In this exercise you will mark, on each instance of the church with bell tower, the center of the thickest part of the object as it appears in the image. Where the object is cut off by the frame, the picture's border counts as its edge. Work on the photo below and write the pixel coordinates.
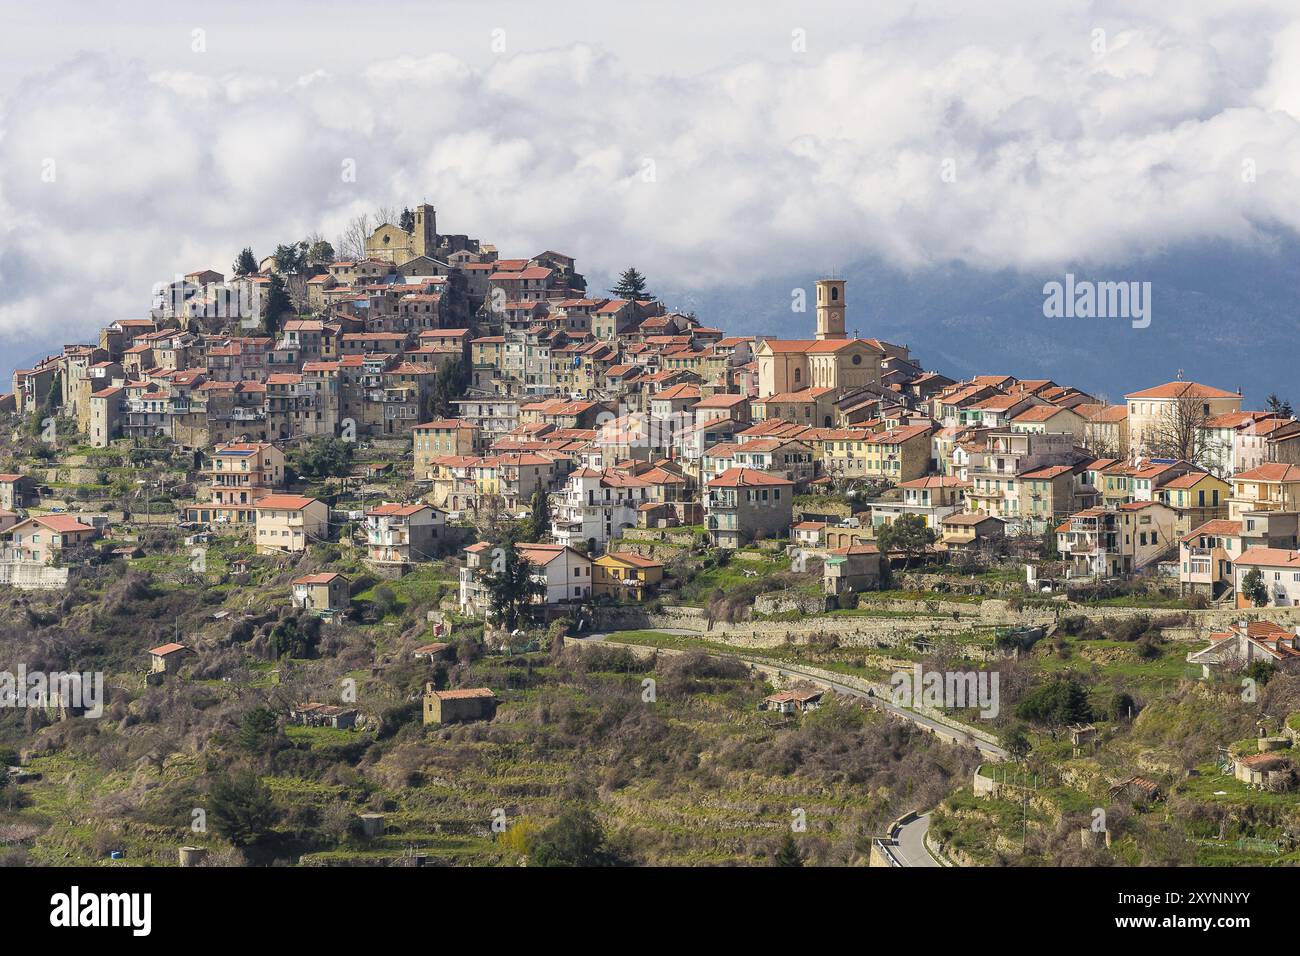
(830, 310)
(831, 363)
(392, 243)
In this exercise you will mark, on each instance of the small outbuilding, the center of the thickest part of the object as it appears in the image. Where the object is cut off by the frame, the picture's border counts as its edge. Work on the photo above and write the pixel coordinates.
(167, 658)
(462, 704)
(1266, 771)
(313, 714)
(798, 700)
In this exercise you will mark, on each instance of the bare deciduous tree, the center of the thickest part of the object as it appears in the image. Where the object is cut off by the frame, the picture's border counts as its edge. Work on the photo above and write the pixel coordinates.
(1102, 438)
(352, 243)
(1180, 431)
(491, 518)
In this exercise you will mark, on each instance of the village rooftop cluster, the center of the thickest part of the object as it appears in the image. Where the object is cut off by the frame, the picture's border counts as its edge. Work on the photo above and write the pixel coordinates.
(503, 385)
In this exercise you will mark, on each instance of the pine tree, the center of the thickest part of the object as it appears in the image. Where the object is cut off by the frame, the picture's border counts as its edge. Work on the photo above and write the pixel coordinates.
(257, 729)
(631, 285)
(320, 253)
(276, 304)
(512, 590)
(1278, 405)
(407, 222)
(243, 808)
(54, 397)
(539, 522)
(245, 263)
(908, 534)
(788, 854)
(1254, 589)
(448, 385)
(291, 259)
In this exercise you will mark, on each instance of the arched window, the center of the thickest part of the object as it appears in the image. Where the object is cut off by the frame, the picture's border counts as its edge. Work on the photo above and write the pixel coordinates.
(798, 375)
(835, 294)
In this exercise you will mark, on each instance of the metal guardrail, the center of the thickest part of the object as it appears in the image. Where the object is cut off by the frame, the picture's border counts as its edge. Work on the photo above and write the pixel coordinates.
(886, 849)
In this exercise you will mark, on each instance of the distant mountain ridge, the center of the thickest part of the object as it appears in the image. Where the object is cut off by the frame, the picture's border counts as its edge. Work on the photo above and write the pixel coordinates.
(1222, 314)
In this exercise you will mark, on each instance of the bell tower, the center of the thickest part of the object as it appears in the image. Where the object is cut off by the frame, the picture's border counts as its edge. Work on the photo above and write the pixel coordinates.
(830, 309)
(425, 234)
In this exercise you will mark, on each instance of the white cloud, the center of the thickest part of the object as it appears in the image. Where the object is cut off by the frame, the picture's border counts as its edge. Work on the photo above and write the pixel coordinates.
(773, 160)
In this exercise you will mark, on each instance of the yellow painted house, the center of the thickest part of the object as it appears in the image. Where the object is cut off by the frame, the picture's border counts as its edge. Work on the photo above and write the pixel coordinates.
(1196, 497)
(488, 351)
(899, 454)
(837, 448)
(625, 576)
(1273, 486)
(683, 359)
(290, 523)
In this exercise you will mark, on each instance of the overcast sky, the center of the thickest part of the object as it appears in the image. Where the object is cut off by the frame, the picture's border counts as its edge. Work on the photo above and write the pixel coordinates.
(704, 144)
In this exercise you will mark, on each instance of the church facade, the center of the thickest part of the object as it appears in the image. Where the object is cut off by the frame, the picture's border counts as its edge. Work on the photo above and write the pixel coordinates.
(831, 360)
(390, 243)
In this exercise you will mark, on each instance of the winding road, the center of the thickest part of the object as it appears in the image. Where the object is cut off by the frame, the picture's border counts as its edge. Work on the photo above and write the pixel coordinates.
(877, 695)
(908, 845)
(910, 849)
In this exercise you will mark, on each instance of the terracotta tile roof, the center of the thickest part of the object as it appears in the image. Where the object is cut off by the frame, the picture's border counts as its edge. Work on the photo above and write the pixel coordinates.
(1189, 480)
(628, 557)
(747, 478)
(323, 578)
(685, 390)
(464, 693)
(1270, 558)
(815, 346)
(896, 436)
(283, 502)
(62, 524)
(396, 510)
(1040, 413)
(1219, 527)
(969, 517)
(936, 481)
(1183, 390)
(1273, 471)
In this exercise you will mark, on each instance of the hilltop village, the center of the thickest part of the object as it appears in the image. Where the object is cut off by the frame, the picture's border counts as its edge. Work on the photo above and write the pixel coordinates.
(378, 533)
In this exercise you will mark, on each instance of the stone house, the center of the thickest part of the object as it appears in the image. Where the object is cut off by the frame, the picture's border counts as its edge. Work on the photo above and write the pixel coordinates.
(454, 706)
(742, 505)
(852, 569)
(167, 658)
(327, 591)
